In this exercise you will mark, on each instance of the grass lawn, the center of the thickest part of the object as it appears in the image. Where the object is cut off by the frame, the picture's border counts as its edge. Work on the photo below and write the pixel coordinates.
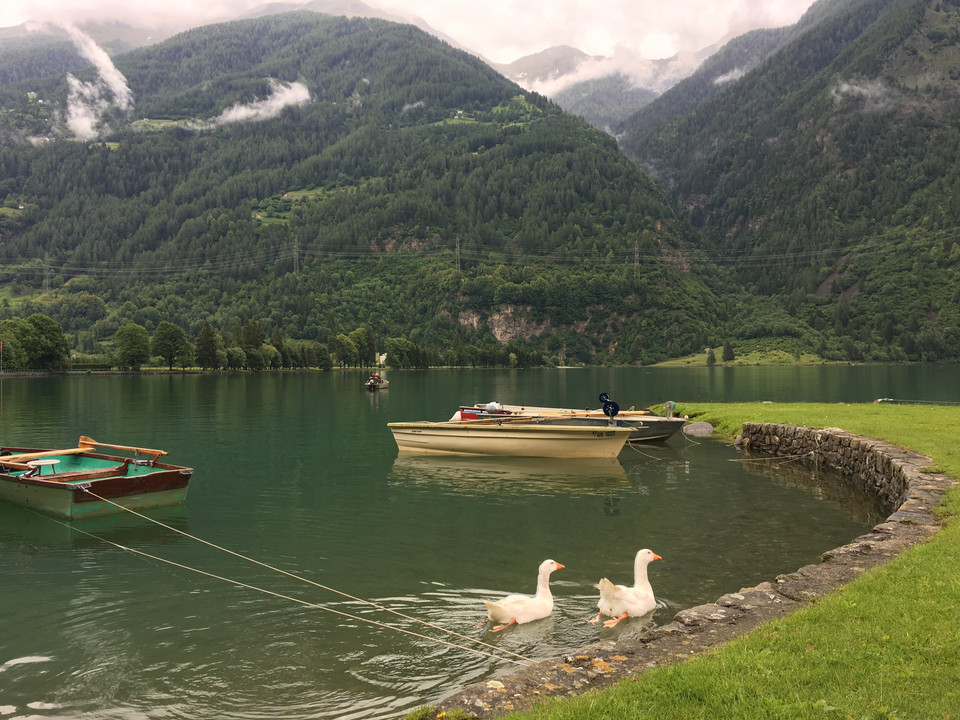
(753, 357)
(885, 646)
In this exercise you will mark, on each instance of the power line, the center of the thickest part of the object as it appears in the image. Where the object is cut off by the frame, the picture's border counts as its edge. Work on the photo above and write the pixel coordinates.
(243, 259)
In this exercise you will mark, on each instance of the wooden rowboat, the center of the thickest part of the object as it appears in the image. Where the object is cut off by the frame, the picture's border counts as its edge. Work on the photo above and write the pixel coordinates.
(83, 482)
(646, 426)
(516, 437)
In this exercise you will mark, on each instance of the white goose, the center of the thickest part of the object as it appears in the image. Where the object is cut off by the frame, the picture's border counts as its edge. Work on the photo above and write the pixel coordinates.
(519, 609)
(619, 601)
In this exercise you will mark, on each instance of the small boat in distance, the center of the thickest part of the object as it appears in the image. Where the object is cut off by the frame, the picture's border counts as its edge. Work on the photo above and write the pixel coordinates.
(511, 437)
(83, 482)
(646, 426)
(375, 382)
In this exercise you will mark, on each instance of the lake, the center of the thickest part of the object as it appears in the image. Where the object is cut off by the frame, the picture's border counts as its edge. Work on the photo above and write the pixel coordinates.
(300, 472)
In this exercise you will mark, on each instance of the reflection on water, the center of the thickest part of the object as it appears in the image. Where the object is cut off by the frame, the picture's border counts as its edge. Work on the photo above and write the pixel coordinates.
(31, 528)
(300, 471)
(864, 507)
(509, 476)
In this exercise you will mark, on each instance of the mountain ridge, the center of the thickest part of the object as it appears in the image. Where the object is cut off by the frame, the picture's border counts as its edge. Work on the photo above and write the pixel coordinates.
(439, 188)
(415, 191)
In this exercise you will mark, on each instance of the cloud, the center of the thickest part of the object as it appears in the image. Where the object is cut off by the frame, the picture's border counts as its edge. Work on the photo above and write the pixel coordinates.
(281, 95)
(108, 74)
(734, 74)
(84, 108)
(88, 101)
(876, 96)
(501, 30)
(656, 75)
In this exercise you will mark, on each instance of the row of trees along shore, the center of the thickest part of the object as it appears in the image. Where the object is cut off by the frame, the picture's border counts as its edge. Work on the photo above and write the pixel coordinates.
(38, 343)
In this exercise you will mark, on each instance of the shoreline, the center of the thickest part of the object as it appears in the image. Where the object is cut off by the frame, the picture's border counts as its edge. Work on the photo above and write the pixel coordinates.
(704, 627)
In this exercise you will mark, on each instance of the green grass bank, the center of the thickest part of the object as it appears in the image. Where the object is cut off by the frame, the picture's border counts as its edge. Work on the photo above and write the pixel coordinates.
(884, 646)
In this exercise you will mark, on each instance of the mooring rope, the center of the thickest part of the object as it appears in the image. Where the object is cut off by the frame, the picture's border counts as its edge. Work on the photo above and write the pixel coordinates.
(526, 660)
(640, 452)
(772, 458)
(298, 600)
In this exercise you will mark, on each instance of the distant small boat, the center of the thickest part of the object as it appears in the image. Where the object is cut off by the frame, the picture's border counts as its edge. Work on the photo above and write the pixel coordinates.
(375, 382)
(513, 437)
(646, 426)
(82, 482)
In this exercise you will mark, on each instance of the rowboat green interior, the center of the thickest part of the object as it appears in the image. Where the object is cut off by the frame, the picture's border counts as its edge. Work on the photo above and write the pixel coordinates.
(81, 463)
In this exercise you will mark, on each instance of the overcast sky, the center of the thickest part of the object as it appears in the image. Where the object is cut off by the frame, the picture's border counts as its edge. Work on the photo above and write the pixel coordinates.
(501, 30)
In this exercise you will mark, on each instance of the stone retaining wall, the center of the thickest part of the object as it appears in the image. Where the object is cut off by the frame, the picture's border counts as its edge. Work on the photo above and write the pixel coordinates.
(896, 475)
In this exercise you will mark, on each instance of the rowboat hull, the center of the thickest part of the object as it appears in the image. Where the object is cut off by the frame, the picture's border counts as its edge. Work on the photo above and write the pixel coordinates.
(649, 429)
(646, 427)
(92, 484)
(509, 439)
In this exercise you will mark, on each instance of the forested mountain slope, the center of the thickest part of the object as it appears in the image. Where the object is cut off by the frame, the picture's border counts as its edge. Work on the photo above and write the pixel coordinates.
(319, 174)
(828, 177)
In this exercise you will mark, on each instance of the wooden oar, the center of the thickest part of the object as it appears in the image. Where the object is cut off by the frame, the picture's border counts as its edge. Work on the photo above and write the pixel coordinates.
(84, 440)
(518, 419)
(24, 457)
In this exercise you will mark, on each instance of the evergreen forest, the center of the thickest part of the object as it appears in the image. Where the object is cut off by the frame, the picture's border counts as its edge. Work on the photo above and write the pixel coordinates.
(302, 190)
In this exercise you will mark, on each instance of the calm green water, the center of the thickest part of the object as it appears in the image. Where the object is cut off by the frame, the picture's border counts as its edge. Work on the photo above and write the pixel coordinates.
(300, 471)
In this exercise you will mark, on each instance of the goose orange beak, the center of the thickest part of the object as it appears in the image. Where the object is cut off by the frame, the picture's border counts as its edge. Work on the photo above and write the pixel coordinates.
(657, 557)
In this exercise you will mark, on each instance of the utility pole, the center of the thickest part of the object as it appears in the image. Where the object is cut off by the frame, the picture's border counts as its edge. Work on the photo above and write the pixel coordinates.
(458, 253)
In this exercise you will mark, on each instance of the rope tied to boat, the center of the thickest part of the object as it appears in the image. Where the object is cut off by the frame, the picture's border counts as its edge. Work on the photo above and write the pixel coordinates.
(520, 659)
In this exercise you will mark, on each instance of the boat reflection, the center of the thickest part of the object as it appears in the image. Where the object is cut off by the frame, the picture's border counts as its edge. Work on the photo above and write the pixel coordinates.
(511, 475)
(21, 526)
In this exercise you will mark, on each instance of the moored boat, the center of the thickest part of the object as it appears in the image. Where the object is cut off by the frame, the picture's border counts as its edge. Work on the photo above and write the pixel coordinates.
(84, 482)
(646, 426)
(375, 382)
(517, 437)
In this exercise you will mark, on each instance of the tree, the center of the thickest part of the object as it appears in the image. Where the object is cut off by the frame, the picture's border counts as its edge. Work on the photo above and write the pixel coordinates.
(186, 356)
(132, 346)
(254, 360)
(276, 339)
(400, 352)
(14, 334)
(50, 351)
(362, 337)
(235, 357)
(169, 342)
(711, 358)
(252, 335)
(347, 353)
(728, 355)
(206, 347)
(324, 361)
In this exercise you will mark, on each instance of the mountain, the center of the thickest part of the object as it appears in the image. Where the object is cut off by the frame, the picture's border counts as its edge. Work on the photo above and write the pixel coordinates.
(317, 175)
(605, 91)
(35, 50)
(604, 102)
(351, 9)
(38, 50)
(544, 67)
(735, 59)
(828, 176)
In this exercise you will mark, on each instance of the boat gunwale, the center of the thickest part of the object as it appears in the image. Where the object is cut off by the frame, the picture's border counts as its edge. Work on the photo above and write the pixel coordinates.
(72, 480)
